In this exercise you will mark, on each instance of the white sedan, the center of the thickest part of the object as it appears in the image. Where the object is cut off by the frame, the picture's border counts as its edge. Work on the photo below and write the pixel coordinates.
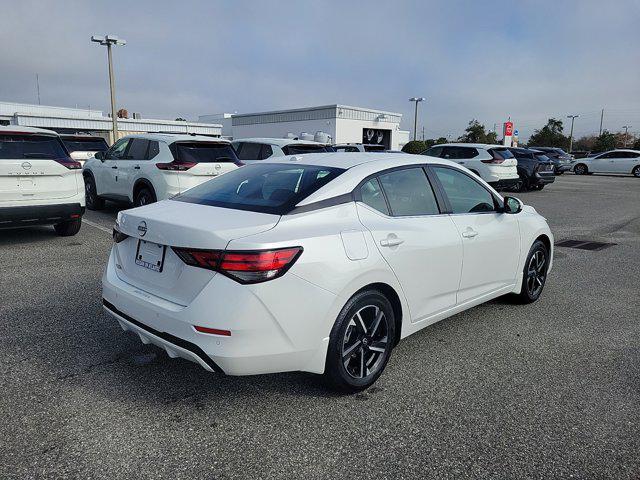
(319, 263)
(615, 161)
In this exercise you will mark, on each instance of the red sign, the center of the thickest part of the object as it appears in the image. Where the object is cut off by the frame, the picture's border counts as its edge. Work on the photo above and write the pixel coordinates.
(508, 129)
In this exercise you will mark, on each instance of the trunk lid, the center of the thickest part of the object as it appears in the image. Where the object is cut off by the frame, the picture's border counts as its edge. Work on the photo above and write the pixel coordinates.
(174, 223)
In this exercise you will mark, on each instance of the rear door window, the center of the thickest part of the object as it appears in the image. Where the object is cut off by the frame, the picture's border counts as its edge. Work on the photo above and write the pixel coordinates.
(17, 146)
(434, 152)
(299, 149)
(249, 150)
(262, 187)
(372, 195)
(409, 192)
(203, 152)
(266, 151)
(137, 149)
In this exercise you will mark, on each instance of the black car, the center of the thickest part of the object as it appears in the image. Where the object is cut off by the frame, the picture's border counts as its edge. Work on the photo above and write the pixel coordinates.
(535, 169)
(562, 161)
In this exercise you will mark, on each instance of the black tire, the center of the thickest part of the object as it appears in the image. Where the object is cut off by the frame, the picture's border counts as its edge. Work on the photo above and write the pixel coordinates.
(93, 201)
(534, 275)
(522, 185)
(580, 169)
(636, 171)
(366, 345)
(144, 196)
(69, 228)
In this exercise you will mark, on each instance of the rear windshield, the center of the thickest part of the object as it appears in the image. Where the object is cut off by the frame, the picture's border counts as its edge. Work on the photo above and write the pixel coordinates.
(262, 187)
(301, 148)
(203, 152)
(501, 153)
(374, 148)
(17, 146)
(86, 145)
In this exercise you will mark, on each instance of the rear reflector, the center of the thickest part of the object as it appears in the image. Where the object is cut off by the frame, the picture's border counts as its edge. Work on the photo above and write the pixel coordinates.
(212, 331)
(242, 266)
(177, 166)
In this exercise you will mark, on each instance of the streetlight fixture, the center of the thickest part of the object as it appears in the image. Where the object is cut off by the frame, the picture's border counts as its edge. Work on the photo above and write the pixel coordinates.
(572, 117)
(415, 118)
(626, 132)
(109, 41)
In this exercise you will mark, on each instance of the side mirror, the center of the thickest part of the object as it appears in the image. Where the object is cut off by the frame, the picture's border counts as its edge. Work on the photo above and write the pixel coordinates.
(99, 156)
(512, 205)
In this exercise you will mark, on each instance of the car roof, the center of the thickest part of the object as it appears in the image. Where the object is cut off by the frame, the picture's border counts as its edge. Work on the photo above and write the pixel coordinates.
(358, 165)
(177, 137)
(21, 129)
(280, 142)
(620, 150)
(474, 145)
(80, 136)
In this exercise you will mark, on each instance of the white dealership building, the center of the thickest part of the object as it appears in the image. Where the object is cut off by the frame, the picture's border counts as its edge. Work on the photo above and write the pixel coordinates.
(95, 122)
(332, 123)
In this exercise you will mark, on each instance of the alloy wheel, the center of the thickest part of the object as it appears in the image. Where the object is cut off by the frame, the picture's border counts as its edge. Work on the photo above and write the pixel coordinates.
(536, 273)
(366, 342)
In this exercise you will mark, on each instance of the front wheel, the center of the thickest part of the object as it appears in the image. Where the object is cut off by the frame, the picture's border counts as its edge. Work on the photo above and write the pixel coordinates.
(69, 228)
(360, 343)
(534, 273)
(94, 202)
(580, 169)
(636, 172)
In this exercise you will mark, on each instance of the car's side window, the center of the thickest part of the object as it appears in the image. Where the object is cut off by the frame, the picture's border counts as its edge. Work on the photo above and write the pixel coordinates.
(249, 151)
(266, 152)
(117, 149)
(434, 152)
(409, 192)
(464, 193)
(372, 195)
(154, 149)
(137, 149)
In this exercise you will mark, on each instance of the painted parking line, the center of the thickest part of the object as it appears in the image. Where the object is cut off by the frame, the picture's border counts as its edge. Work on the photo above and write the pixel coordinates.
(99, 227)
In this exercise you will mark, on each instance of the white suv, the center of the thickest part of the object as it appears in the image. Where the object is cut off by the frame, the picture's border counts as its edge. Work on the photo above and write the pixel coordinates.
(359, 147)
(250, 150)
(39, 183)
(142, 169)
(495, 164)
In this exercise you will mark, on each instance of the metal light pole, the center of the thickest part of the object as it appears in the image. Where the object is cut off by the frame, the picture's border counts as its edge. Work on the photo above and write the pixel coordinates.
(415, 118)
(109, 41)
(572, 117)
(626, 133)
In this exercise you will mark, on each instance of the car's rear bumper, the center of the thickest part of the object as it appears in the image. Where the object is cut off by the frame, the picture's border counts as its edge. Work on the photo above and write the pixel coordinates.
(23, 216)
(505, 183)
(265, 334)
(544, 178)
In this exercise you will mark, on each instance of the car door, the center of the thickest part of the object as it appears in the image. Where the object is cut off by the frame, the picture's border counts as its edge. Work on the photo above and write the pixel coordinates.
(624, 162)
(107, 175)
(600, 164)
(421, 245)
(490, 239)
(130, 166)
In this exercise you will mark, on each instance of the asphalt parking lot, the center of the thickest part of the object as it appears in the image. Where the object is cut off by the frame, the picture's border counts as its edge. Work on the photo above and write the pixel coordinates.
(548, 390)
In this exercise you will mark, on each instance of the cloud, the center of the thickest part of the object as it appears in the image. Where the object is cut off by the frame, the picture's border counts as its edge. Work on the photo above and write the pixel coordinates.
(484, 60)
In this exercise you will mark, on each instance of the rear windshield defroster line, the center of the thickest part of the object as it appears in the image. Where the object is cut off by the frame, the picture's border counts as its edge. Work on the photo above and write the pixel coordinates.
(274, 188)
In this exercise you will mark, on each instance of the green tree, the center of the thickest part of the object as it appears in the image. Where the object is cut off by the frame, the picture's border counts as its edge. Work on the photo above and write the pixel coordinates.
(636, 144)
(491, 138)
(415, 146)
(606, 141)
(551, 135)
(440, 141)
(585, 143)
(476, 133)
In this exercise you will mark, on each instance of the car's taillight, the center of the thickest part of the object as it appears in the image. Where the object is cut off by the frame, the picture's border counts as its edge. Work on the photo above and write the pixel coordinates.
(179, 166)
(69, 163)
(243, 266)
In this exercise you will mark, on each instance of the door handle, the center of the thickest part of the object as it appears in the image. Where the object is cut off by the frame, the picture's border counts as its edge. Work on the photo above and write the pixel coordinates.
(137, 167)
(469, 233)
(114, 167)
(392, 240)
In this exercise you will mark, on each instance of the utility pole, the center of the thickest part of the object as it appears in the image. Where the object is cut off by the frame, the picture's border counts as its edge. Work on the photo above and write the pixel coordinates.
(423, 133)
(626, 133)
(38, 87)
(601, 118)
(415, 118)
(109, 41)
(572, 117)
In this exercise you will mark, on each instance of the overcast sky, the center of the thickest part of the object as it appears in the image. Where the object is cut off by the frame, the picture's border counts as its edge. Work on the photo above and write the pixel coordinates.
(474, 59)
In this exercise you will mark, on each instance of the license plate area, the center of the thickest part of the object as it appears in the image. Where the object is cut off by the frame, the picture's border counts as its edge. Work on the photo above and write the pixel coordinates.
(150, 255)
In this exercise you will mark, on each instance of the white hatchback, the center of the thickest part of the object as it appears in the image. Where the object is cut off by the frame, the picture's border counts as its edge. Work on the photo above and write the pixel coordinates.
(39, 183)
(319, 263)
(142, 169)
(495, 164)
(615, 161)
